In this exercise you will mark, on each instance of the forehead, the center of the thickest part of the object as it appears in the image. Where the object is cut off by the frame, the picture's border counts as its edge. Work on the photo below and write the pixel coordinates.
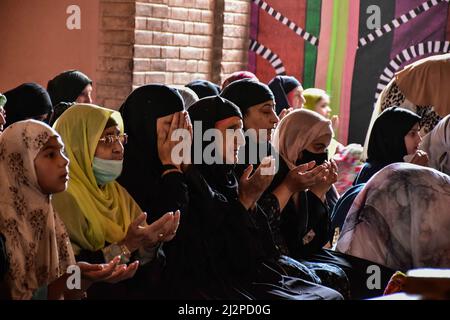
(54, 142)
(229, 122)
(268, 103)
(111, 130)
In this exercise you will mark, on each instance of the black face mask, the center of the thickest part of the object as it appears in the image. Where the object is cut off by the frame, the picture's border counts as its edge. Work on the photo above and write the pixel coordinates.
(307, 156)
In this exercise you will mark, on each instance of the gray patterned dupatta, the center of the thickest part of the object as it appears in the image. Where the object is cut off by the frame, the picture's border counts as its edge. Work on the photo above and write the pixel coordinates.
(38, 246)
(401, 219)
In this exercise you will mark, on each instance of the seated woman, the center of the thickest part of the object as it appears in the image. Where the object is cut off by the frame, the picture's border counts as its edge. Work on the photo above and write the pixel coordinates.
(421, 87)
(348, 158)
(256, 102)
(27, 101)
(401, 219)
(227, 251)
(437, 145)
(103, 220)
(301, 137)
(288, 93)
(394, 138)
(35, 250)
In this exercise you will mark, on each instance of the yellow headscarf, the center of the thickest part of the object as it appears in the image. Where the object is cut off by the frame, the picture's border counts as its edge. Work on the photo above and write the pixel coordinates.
(92, 215)
(312, 97)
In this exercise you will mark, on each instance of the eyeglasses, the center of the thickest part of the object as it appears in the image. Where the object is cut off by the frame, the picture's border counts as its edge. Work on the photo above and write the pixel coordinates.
(112, 138)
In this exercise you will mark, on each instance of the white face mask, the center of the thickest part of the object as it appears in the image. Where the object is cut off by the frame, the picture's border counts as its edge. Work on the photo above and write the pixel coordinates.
(106, 170)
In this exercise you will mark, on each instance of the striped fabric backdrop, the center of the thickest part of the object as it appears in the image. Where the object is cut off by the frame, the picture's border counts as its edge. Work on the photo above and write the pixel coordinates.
(328, 44)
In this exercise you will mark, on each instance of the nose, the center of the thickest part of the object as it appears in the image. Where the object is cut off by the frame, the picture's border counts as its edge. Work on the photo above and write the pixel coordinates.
(118, 149)
(274, 119)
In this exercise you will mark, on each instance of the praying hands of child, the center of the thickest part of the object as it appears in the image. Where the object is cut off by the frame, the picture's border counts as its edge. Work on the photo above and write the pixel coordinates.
(252, 186)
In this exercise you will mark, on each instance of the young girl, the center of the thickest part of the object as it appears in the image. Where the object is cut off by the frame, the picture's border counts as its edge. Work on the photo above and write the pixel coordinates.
(394, 138)
(37, 247)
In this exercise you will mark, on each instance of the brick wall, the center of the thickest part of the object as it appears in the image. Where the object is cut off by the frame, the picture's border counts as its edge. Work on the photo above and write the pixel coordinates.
(115, 60)
(168, 41)
(235, 36)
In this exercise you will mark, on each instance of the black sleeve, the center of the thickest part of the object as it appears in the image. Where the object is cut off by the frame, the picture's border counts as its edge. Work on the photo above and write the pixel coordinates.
(318, 221)
(94, 257)
(4, 263)
(229, 235)
(171, 195)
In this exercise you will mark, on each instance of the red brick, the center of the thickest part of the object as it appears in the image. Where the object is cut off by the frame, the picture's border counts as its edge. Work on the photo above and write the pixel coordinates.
(154, 24)
(234, 31)
(207, 16)
(241, 19)
(230, 67)
(141, 64)
(174, 26)
(237, 6)
(113, 104)
(107, 90)
(169, 78)
(170, 52)
(202, 28)
(195, 15)
(175, 65)
(179, 13)
(117, 23)
(115, 9)
(234, 43)
(190, 53)
(160, 38)
(143, 37)
(141, 51)
(114, 77)
(228, 18)
(138, 78)
(188, 27)
(200, 41)
(204, 66)
(180, 39)
(114, 64)
(112, 50)
(155, 78)
(144, 10)
(116, 37)
(160, 11)
(182, 78)
(141, 23)
(232, 55)
(191, 66)
(177, 3)
(207, 54)
(158, 65)
(203, 4)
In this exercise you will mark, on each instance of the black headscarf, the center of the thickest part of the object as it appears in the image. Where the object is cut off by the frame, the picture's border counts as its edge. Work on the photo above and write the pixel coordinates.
(209, 111)
(141, 165)
(67, 86)
(281, 86)
(26, 101)
(247, 93)
(204, 88)
(387, 138)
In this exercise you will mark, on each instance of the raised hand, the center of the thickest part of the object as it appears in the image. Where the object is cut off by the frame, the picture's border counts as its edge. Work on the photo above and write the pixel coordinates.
(252, 187)
(420, 158)
(305, 176)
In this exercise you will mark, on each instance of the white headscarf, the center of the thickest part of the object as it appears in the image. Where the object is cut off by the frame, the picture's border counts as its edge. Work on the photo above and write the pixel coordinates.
(400, 219)
(437, 145)
(297, 131)
(37, 245)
